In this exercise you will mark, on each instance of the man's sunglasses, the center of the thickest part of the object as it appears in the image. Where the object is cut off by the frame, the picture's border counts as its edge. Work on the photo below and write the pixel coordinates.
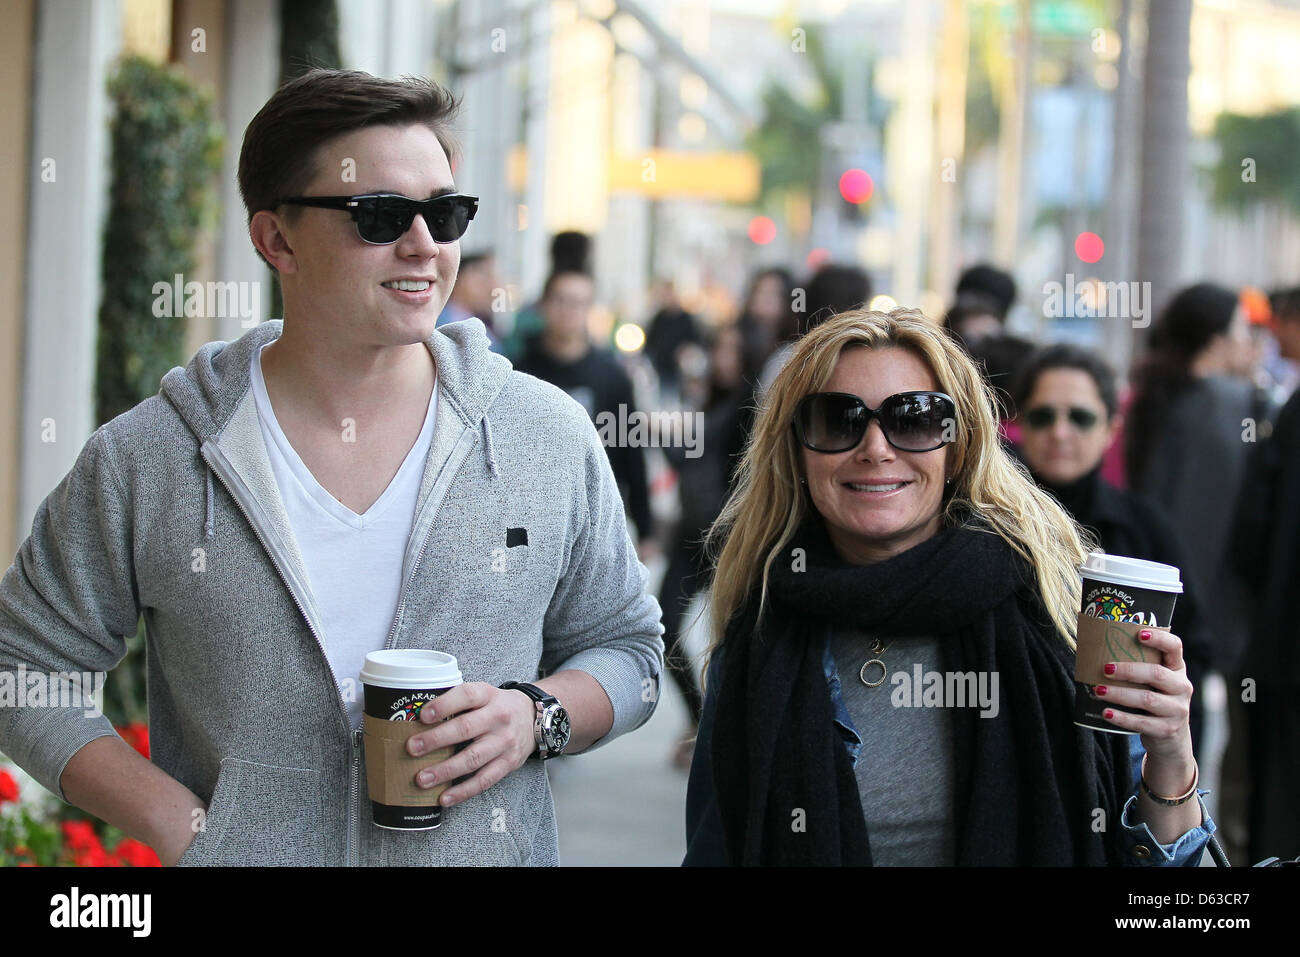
(911, 421)
(1044, 417)
(383, 218)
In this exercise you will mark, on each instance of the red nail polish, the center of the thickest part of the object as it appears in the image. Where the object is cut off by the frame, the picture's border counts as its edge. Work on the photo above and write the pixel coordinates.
(1109, 668)
(1145, 635)
(1108, 714)
(1101, 689)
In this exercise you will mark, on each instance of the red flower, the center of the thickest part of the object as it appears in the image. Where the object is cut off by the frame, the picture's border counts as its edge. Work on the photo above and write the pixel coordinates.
(132, 853)
(8, 787)
(80, 836)
(94, 857)
(136, 734)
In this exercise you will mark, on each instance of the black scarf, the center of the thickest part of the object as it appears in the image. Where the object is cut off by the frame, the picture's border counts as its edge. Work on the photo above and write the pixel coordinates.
(1027, 780)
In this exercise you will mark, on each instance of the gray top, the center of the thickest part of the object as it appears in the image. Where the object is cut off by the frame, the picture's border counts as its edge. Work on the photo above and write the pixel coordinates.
(905, 770)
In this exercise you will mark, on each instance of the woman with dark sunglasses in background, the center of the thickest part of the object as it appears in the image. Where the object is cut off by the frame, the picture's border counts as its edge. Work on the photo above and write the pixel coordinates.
(879, 548)
(1069, 415)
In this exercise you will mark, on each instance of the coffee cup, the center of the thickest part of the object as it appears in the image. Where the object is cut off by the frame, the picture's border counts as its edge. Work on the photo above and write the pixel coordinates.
(397, 683)
(1121, 597)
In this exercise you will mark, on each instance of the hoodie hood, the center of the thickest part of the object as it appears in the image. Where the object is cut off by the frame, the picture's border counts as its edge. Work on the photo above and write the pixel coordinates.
(207, 392)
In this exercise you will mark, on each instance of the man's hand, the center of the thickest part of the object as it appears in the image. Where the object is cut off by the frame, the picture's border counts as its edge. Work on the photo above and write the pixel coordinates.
(109, 779)
(498, 726)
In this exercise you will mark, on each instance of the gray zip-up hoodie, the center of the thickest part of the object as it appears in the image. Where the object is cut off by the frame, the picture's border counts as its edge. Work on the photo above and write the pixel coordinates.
(172, 510)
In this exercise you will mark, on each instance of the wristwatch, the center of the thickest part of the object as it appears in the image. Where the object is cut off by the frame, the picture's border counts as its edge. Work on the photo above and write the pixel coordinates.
(551, 727)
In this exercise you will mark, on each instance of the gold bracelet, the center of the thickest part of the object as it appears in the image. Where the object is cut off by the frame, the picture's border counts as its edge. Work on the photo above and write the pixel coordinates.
(1167, 802)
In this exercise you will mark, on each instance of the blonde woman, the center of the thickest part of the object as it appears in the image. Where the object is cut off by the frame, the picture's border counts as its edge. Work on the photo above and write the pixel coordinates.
(890, 678)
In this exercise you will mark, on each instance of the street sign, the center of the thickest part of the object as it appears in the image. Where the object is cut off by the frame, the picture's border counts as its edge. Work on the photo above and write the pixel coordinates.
(662, 174)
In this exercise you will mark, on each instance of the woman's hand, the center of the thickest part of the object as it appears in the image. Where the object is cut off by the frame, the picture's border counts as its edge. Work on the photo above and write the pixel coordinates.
(1167, 701)
(498, 726)
(1170, 766)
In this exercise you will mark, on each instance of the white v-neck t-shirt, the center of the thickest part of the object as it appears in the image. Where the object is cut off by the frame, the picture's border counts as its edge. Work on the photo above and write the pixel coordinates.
(354, 562)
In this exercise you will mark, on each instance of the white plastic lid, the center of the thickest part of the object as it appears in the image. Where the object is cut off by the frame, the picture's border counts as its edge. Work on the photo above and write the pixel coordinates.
(1137, 572)
(410, 668)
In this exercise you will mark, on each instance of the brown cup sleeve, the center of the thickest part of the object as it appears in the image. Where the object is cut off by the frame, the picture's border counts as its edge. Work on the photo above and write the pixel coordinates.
(1100, 641)
(391, 771)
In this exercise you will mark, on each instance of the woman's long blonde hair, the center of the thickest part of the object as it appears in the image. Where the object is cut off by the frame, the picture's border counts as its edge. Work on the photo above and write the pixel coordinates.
(768, 505)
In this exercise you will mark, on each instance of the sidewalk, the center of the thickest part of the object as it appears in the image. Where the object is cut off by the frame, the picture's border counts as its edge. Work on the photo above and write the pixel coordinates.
(624, 804)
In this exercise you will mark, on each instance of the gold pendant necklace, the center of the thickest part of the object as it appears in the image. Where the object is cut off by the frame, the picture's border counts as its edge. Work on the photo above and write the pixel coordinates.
(877, 649)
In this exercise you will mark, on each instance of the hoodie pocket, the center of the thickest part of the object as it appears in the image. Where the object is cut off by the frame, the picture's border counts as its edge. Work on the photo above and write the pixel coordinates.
(261, 814)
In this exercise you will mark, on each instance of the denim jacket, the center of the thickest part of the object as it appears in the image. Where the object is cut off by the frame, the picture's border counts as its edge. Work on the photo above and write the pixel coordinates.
(705, 843)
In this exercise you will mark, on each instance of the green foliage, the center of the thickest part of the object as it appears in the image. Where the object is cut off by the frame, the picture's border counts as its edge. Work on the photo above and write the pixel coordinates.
(788, 143)
(1272, 141)
(25, 839)
(166, 151)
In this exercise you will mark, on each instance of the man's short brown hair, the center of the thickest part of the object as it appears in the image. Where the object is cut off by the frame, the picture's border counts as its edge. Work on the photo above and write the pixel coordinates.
(278, 158)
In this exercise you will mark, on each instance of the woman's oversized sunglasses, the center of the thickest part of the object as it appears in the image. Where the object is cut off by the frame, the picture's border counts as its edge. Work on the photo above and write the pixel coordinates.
(383, 218)
(912, 421)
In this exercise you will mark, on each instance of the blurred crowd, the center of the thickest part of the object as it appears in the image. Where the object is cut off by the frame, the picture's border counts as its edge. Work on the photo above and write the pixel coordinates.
(1191, 458)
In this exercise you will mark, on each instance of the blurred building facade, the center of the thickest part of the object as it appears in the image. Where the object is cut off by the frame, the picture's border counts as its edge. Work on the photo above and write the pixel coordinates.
(632, 121)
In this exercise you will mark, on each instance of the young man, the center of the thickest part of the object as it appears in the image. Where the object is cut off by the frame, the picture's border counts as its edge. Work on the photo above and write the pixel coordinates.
(346, 480)
(562, 354)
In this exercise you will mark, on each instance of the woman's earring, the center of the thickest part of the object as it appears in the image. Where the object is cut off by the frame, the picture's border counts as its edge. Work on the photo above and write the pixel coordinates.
(803, 481)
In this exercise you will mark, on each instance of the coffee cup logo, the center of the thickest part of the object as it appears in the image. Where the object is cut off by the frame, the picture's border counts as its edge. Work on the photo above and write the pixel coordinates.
(1114, 605)
(407, 708)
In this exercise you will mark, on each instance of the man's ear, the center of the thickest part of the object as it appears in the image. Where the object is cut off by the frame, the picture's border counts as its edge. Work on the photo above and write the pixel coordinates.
(267, 232)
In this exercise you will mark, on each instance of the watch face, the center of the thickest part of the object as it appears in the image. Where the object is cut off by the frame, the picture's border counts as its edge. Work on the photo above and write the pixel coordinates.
(555, 729)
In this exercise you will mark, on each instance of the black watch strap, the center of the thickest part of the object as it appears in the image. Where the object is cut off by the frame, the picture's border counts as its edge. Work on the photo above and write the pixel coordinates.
(534, 692)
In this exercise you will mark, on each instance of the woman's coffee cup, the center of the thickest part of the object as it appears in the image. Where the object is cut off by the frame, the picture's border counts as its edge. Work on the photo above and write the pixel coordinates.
(397, 683)
(1121, 597)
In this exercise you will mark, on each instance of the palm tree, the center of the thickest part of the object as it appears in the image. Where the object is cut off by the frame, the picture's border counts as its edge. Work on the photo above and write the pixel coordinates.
(1163, 182)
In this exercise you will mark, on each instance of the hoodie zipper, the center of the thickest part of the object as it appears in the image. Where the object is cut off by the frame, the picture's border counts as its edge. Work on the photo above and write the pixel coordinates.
(415, 567)
(401, 604)
(354, 777)
(352, 771)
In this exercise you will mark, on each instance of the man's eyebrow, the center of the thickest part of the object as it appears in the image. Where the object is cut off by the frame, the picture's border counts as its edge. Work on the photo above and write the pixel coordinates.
(440, 191)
